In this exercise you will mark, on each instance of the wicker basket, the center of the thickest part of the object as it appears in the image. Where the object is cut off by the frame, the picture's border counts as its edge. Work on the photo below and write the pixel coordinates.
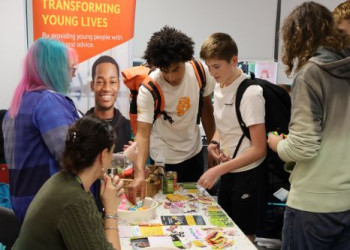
(154, 180)
(151, 188)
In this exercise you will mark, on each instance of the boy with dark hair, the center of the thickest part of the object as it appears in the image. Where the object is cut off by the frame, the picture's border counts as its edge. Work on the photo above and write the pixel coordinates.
(105, 84)
(242, 192)
(175, 136)
(341, 16)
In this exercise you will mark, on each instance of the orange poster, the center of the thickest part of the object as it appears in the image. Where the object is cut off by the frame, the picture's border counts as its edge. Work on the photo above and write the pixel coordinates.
(91, 27)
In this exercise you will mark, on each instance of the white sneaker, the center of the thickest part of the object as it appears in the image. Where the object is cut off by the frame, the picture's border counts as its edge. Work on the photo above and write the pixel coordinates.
(268, 243)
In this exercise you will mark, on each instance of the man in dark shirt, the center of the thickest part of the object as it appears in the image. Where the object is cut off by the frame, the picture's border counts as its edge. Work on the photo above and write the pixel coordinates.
(105, 84)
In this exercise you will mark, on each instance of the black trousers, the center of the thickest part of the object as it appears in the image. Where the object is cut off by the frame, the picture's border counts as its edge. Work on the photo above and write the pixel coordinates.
(189, 170)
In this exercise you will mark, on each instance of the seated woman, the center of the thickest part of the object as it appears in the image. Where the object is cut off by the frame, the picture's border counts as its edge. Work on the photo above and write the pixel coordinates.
(63, 214)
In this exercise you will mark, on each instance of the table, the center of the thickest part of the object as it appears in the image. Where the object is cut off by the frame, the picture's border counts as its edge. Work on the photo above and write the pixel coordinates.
(206, 223)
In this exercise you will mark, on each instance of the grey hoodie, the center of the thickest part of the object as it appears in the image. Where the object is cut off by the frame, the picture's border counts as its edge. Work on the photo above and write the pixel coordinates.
(319, 134)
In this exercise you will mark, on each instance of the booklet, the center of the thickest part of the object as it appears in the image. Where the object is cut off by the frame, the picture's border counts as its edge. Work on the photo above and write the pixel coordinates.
(190, 220)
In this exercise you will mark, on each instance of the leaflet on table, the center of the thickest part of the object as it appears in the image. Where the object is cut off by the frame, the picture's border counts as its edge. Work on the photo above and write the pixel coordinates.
(160, 242)
(190, 220)
(139, 231)
(189, 232)
(185, 237)
(219, 219)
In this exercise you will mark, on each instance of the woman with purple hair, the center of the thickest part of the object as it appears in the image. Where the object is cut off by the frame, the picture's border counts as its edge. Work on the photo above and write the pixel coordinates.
(36, 124)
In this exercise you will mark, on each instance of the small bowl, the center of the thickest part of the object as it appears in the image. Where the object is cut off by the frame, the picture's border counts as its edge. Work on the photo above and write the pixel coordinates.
(140, 215)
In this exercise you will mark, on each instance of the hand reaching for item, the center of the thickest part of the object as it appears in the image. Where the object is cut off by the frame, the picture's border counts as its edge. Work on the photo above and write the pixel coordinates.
(273, 140)
(213, 151)
(131, 151)
(136, 186)
(209, 178)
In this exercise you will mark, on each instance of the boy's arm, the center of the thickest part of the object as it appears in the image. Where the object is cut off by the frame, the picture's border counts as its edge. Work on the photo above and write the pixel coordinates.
(208, 118)
(213, 152)
(145, 104)
(255, 152)
(143, 141)
(207, 107)
(208, 125)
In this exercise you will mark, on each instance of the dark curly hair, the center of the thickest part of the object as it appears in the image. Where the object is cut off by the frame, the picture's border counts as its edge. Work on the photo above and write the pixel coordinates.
(86, 138)
(168, 46)
(309, 26)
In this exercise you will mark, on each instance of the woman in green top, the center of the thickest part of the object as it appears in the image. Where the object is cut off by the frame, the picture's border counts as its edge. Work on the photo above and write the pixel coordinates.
(63, 214)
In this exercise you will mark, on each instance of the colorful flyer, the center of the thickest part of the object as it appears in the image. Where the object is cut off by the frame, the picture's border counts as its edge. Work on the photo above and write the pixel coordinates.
(152, 231)
(176, 197)
(190, 220)
(219, 219)
(139, 243)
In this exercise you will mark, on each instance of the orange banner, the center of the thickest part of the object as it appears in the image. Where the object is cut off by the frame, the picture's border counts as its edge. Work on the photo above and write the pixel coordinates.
(90, 27)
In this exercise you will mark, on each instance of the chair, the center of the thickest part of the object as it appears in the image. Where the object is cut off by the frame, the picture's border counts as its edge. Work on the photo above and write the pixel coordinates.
(9, 227)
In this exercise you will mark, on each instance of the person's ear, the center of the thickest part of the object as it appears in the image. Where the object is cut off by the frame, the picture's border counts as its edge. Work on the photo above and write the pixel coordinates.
(118, 84)
(104, 156)
(92, 87)
(234, 60)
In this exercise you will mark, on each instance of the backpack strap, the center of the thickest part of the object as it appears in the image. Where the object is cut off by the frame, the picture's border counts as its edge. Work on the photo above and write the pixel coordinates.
(240, 91)
(158, 98)
(201, 79)
(238, 146)
(200, 73)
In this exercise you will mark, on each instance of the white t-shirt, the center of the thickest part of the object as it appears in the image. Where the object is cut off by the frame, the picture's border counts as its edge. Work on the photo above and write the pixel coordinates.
(252, 110)
(181, 140)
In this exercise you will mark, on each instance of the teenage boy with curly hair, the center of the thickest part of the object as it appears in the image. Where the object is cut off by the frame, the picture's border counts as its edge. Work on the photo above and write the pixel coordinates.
(169, 51)
(341, 15)
(317, 215)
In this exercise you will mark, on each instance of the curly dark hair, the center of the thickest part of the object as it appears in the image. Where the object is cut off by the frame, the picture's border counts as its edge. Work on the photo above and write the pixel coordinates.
(309, 26)
(168, 46)
(86, 138)
(103, 59)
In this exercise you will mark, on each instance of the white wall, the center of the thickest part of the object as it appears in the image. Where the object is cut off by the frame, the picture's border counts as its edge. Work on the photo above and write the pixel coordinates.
(251, 23)
(13, 47)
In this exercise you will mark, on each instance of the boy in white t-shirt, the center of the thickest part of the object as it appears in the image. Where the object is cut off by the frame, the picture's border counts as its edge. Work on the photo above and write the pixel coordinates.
(177, 143)
(243, 178)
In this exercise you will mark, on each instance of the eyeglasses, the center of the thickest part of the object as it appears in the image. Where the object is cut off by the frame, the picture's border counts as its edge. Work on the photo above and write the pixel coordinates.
(73, 70)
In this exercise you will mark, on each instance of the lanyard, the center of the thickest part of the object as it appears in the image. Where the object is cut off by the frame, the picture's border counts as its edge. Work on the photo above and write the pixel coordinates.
(80, 182)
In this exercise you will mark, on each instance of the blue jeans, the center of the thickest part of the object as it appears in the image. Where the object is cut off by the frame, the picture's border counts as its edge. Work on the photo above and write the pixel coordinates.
(309, 231)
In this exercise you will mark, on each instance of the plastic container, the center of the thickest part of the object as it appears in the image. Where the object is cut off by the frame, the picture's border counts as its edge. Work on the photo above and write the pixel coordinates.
(140, 215)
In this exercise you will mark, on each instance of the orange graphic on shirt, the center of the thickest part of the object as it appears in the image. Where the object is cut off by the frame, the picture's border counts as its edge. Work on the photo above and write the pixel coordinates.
(183, 105)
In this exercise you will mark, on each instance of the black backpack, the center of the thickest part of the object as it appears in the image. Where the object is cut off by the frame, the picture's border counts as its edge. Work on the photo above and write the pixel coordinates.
(277, 117)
